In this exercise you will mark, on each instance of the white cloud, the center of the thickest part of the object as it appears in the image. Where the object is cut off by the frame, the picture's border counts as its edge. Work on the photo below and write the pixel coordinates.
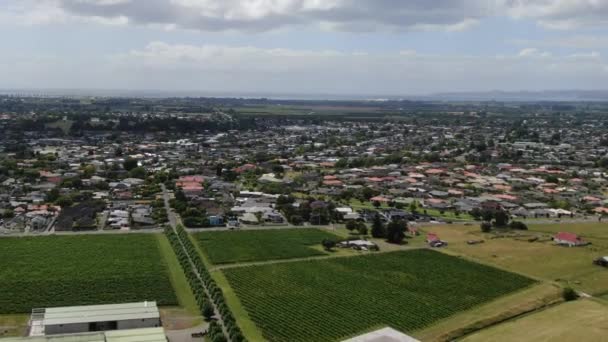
(561, 14)
(342, 15)
(263, 15)
(533, 52)
(407, 72)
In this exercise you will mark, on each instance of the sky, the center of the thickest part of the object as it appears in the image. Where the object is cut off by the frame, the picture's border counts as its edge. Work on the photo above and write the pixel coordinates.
(379, 47)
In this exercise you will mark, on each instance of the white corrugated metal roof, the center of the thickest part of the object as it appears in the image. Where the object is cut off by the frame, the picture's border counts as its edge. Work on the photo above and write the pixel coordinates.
(130, 335)
(383, 335)
(136, 335)
(100, 313)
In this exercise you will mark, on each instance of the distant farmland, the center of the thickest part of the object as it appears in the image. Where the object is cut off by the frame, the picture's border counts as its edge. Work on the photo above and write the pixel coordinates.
(223, 247)
(75, 270)
(330, 299)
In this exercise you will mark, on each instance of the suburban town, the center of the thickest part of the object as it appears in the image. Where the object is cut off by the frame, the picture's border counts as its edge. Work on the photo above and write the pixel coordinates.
(304, 171)
(384, 179)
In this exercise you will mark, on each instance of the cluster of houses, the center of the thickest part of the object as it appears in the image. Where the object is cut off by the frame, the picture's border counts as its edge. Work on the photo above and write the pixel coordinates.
(408, 171)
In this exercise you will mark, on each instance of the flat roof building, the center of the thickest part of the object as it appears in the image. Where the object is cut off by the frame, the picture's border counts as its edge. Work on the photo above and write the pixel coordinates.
(91, 318)
(130, 335)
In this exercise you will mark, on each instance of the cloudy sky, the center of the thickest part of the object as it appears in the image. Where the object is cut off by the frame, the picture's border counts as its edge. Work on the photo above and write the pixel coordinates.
(390, 47)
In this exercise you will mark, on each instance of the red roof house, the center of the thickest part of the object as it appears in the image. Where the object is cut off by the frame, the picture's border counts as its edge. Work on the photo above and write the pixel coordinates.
(568, 239)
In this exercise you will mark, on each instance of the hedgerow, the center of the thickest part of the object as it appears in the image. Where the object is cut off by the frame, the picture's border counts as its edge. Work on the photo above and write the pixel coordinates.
(188, 257)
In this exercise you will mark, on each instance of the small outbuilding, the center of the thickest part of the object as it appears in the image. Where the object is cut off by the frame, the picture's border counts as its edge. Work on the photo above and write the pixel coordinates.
(569, 239)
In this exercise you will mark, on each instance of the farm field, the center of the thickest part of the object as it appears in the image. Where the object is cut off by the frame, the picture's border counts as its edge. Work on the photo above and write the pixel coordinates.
(460, 324)
(222, 247)
(567, 266)
(586, 320)
(330, 299)
(81, 270)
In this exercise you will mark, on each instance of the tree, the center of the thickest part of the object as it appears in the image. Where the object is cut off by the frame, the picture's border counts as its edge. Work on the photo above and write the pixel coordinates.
(52, 195)
(378, 228)
(476, 213)
(501, 218)
(138, 172)
(367, 193)
(328, 244)
(362, 228)
(413, 207)
(486, 227)
(518, 225)
(376, 204)
(207, 310)
(258, 216)
(278, 170)
(89, 171)
(351, 225)
(64, 201)
(569, 294)
(487, 214)
(129, 164)
(395, 231)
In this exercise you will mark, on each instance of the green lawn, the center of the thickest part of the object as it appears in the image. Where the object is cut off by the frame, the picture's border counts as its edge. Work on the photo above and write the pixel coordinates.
(222, 247)
(541, 259)
(80, 270)
(330, 299)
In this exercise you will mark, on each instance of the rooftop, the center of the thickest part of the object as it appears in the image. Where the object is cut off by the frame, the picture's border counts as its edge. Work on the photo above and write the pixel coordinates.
(383, 335)
(130, 335)
(100, 313)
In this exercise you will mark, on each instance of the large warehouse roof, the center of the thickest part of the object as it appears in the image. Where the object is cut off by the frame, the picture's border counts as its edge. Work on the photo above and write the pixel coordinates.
(100, 313)
(131, 335)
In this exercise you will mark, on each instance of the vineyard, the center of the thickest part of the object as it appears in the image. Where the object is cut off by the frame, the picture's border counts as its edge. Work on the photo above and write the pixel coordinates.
(81, 270)
(330, 299)
(223, 247)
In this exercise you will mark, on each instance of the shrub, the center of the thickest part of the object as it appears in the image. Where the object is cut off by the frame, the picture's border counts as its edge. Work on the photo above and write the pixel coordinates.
(486, 227)
(518, 225)
(569, 294)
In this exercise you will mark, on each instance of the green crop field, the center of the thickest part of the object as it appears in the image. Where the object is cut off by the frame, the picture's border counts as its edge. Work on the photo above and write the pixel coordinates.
(81, 270)
(330, 299)
(222, 247)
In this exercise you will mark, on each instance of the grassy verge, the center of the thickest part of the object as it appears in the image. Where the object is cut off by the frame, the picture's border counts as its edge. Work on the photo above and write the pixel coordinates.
(486, 315)
(13, 325)
(571, 321)
(178, 279)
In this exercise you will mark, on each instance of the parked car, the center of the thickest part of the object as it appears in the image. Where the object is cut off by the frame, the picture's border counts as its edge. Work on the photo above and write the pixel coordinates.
(601, 261)
(438, 243)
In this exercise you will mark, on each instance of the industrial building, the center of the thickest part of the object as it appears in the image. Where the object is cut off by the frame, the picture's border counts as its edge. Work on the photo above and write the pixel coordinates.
(94, 318)
(130, 335)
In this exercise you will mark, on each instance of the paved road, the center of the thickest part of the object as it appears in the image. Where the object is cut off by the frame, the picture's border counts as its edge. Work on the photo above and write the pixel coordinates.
(171, 215)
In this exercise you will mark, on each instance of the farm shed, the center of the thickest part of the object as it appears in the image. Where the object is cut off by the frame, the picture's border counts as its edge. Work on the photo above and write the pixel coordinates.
(78, 319)
(383, 335)
(569, 239)
(129, 335)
